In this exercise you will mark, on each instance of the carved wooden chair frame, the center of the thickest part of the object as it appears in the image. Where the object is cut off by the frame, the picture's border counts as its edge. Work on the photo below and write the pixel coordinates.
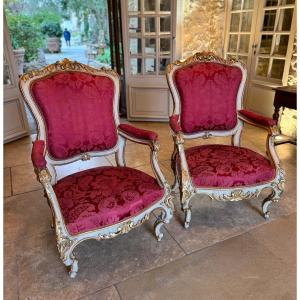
(47, 176)
(182, 176)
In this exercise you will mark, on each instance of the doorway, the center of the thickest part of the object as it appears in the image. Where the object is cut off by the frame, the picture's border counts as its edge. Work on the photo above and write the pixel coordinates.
(50, 30)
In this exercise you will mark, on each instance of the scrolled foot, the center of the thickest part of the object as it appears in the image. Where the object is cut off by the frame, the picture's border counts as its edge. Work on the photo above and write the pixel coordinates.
(267, 215)
(157, 228)
(74, 268)
(265, 206)
(188, 217)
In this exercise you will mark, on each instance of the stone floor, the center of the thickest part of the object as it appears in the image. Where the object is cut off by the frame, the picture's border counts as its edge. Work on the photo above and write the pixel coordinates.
(229, 252)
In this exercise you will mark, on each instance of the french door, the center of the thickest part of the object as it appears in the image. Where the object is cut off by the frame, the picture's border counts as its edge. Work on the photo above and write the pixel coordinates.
(261, 34)
(149, 46)
(15, 121)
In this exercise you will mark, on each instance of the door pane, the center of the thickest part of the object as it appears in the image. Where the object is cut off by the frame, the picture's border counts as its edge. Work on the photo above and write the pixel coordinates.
(266, 44)
(165, 45)
(244, 43)
(150, 46)
(262, 67)
(281, 44)
(135, 24)
(235, 22)
(271, 2)
(285, 19)
(232, 46)
(136, 66)
(150, 24)
(269, 20)
(149, 5)
(165, 5)
(165, 24)
(135, 46)
(277, 68)
(236, 4)
(134, 5)
(246, 21)
(248, 4)
(150, 65)
(163, 62)
(285, 2)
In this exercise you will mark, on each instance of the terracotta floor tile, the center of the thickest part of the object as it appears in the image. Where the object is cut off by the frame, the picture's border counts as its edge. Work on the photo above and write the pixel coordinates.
(24, 179)
(7, 191)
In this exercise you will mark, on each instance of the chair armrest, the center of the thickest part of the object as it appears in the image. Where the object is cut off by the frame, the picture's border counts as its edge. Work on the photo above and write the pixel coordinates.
(255, 119)
(137, 134)
(37, 155)
(174, 123)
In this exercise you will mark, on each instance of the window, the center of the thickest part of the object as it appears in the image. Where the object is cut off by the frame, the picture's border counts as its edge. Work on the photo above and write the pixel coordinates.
(260, 34)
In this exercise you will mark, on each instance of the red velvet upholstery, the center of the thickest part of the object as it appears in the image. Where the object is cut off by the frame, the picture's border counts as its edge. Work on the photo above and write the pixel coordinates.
(78, 111)
(261, 120)
(104, 196)
(37, 154)
(138, 133)
(227, 166)
(208, 94)
(174, 123)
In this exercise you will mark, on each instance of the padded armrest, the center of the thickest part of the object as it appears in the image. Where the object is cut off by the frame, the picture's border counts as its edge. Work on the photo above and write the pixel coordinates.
(138, 133)
(37, 154)
(174, 123)
(261, 120)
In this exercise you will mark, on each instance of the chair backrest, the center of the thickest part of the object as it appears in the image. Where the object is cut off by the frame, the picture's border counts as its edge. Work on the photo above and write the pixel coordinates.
(75, 106)
(207, 92)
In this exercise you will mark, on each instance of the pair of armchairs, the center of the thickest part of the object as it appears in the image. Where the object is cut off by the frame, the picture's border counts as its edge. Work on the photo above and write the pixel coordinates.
(76, 110)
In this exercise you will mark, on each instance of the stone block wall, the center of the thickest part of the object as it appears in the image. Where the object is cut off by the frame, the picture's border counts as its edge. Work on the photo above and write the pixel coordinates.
(203, 26)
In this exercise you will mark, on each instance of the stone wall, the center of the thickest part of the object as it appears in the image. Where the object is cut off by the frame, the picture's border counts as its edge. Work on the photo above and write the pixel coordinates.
(203, 26)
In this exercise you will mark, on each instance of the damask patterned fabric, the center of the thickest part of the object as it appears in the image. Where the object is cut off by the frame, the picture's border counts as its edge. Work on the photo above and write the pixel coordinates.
(37, 154)
(78, 112)
(257, 118)
(174, 123)
(208, 94)
(227, 166)
(104, 196)
(138, 133)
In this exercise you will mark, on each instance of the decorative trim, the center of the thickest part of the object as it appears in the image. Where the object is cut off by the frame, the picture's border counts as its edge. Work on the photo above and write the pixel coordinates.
(65, 65)
(203, 57)
(235, 195)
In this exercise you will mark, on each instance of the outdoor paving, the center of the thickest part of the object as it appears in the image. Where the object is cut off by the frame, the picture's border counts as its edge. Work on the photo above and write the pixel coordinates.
(77, 52)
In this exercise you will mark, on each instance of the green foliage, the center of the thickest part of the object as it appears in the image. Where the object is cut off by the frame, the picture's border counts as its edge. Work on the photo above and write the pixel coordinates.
(51, 29)
(104, 57)
(42, 16)
(23, 34)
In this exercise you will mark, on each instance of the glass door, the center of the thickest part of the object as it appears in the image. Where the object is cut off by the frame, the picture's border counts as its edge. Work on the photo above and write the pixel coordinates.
(273, 41)
(241, 25)
(149, 38)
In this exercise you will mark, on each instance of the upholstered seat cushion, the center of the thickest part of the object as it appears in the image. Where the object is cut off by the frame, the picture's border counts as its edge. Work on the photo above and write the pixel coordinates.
(104, 196)
(227, 166)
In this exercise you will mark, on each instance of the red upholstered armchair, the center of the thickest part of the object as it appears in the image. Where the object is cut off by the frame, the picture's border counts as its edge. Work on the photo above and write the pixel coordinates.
(76, 109)
(207, 93)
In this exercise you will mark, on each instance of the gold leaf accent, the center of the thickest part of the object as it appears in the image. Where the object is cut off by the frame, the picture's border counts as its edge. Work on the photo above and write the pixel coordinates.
(64, 243)
(85, 156)
(124, 228)
(235, 195)
(65, 65)
(202, 57)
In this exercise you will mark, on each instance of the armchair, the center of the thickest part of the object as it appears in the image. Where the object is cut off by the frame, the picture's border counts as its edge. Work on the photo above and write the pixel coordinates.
(76, 109)
(207, 92)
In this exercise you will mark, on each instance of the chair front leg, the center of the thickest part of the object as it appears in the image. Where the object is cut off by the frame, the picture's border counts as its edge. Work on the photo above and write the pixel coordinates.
(65, 243)
(174, 167)
(186, 188)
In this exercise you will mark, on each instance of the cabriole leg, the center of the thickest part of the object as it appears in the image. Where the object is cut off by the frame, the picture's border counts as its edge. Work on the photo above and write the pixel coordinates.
(164, 218)
(185, 198)
(273, 197)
